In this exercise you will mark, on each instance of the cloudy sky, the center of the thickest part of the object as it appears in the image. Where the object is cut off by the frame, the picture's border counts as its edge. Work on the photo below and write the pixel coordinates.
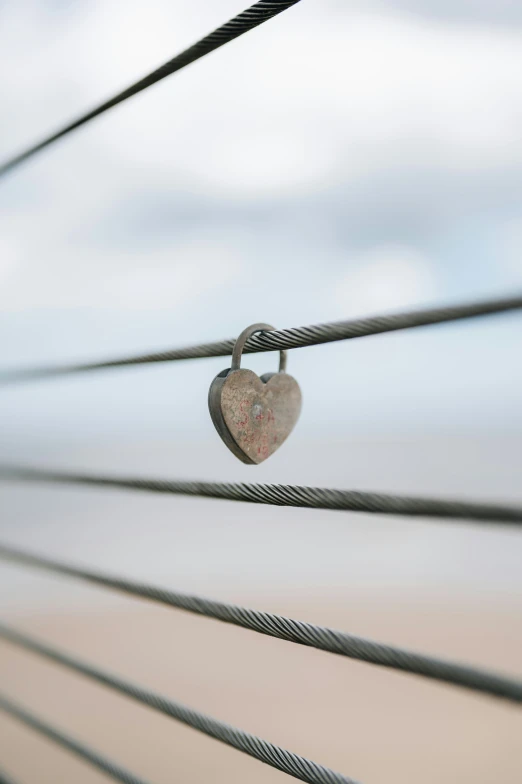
(343, 159)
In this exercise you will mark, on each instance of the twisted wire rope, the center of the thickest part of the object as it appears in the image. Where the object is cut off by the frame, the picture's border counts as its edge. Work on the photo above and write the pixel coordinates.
(275, 340)
(252, 17)
(319, 637)
(56, 735)
(5, 779)
(287, 495)
(262, 750)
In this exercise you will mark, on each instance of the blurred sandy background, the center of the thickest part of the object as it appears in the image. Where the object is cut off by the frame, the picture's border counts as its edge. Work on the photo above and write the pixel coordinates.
(375, 725)
(345, 159)
(452, 589)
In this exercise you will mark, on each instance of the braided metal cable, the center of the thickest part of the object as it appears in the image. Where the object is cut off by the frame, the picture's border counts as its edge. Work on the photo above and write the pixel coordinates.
(275, 340)
(320, 637)
(5, 779)
(275, 756)
(288, 495)
(245, 21)
(67, 742)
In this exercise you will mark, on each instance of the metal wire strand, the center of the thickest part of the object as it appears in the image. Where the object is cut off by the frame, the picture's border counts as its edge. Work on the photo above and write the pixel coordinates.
(320, 637)
(279, 339)
(245, 21)
(288, 495)
(5, 779)
(71, 744)
(275, 756)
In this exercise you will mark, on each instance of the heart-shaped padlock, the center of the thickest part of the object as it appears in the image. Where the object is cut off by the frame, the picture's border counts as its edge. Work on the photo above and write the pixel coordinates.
(254, 415)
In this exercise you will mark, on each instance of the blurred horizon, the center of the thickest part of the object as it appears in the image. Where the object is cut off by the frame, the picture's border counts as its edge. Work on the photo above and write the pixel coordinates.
(263, 184)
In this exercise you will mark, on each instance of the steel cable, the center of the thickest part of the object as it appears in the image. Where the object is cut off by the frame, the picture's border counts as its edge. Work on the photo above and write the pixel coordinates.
(320, 637)
(275, 756)
(67, 742)
(5, 779)
(245, 21)
(295, 337)
(287, 495)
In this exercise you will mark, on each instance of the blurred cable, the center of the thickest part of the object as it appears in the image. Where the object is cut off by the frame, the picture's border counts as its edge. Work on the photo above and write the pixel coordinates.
(69, 743)
(286, 761)
(296, 337)
(286, 495)
(245, 21)
(320, 637)
(5, 779)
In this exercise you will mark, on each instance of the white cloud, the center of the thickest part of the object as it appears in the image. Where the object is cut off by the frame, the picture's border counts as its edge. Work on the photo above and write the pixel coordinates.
(317, 94)
(386, 92)
(8, 259)
(137, 280)
(333, 162)
(385, 278)
(508, 243)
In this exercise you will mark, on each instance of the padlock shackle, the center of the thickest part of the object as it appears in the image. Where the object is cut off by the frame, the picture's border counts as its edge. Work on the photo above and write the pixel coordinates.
(242, 339)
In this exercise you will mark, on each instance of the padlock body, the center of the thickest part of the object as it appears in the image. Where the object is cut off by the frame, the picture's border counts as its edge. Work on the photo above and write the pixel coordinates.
(254, 415)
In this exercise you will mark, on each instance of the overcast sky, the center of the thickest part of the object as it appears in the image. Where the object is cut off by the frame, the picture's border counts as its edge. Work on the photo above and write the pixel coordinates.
(342, 159)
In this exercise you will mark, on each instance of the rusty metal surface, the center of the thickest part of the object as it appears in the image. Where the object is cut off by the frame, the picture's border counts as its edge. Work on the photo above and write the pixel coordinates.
(253, 415)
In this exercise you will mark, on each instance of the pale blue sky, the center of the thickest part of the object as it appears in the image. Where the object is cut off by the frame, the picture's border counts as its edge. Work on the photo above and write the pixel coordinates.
(343, 159)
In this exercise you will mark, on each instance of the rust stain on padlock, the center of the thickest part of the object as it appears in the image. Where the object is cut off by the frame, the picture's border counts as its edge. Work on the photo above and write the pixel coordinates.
(254, 415)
